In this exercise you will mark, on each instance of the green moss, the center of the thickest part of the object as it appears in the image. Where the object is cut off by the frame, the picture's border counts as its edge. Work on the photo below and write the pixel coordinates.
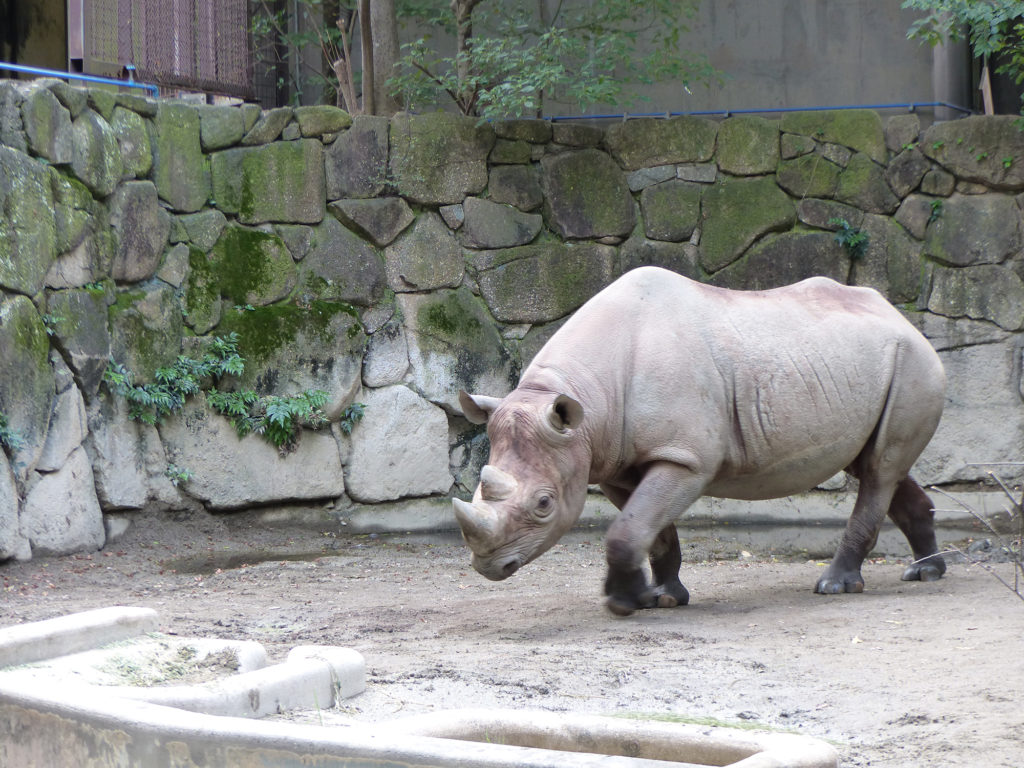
(125, 301)
(251, 266)
(448, 318)
(264, 330)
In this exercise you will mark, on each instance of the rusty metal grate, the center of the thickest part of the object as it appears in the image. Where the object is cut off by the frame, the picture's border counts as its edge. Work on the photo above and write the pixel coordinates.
(200, 44)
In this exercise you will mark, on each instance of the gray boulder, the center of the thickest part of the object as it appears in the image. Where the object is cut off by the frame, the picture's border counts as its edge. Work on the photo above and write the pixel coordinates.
(424, 258)
(48, 127)
(489, 224)
(146, 329)
(810, 175)
(516, 185)
(12, 543)
(82, 333)
(891, 262)
(12, 128)
(748, 145)
(638, 251)
(671, 210)
(380, 220)
(220, 126)
(961, 147)
(387, 357)
(439, 158)
(226, 177)
(341, 266)
(283, 182)
(453, 345)
(974, 229)
(318, 119)
(268, 127)
(179, 169)
(68, 423)
(229, 472)
(786, 258)
(858, 129)
(906, 171)
(133, 139)
(96, 159)
(543, 282)
(736, 213)
(863, 184)
(647, 142)
(399, 449)
(985, 292)
(204, 228)
(26, 380)
(142, 227)
(27, 229)
(586, 195)
(61, 515)
(355, 162)
(252, 266)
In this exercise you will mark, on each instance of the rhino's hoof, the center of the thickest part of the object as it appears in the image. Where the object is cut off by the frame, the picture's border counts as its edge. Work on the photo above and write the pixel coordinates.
(671, 596)
(924, 572)
(836, 587)
(620, 607)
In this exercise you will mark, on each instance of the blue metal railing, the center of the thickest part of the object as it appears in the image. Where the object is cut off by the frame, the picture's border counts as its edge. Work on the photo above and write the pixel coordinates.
(154, 91)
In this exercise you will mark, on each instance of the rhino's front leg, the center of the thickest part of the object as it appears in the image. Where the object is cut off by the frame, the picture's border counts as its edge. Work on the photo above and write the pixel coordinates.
(645, 527)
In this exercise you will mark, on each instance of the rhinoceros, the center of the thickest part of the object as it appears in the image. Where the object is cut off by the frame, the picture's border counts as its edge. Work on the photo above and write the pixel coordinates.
(661, 390)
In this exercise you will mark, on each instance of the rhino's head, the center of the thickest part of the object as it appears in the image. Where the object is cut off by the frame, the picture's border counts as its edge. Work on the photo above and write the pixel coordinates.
(533, 489)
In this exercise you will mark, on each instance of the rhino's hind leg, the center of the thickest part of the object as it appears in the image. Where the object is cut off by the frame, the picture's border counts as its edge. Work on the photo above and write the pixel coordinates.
(911, 510)
(626, 586)
(666, 558)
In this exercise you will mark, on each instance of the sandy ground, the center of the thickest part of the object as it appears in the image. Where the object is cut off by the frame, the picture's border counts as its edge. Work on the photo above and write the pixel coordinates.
(906, 674)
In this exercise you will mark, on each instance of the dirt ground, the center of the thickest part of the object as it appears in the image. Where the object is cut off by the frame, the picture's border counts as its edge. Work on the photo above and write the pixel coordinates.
(906, 674)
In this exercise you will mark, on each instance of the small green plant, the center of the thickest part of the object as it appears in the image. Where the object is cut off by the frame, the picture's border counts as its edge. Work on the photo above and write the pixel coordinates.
(277, 418)
(351, 416)
(938, 145)
(51, 322)
(936, 206)
(1007, 162)
(854, 240)
(982, 156)
(9, 439)
(177, 475)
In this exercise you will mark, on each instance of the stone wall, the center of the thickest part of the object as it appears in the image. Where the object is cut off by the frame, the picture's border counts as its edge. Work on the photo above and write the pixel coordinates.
(392, 263)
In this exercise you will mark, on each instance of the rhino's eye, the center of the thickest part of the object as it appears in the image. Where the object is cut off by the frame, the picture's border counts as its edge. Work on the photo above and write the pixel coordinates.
(545, 504)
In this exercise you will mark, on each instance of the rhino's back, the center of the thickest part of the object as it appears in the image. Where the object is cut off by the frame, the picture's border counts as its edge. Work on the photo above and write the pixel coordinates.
(768, 385)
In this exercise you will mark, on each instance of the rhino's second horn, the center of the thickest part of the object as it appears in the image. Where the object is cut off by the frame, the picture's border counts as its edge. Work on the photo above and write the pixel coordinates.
(496, 485)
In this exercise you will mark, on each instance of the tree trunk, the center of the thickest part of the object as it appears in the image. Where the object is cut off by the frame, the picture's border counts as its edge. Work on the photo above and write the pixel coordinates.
(366, 39)
(385, 54)
(463, 10)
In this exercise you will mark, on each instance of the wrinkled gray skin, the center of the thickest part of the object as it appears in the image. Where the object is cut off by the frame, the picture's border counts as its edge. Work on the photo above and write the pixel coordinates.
(662, 390)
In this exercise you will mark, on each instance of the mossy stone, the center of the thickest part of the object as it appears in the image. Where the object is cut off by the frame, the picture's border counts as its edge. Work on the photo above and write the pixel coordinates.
(863, 184)
(986, 149)
(27, 227)
(48, 126)
(226, 178)
(133, 139)
(974, 229)
(179, 168)
(748, 145)
(993, 292)
(646, 142)
(858, 129)
(341, 266)
(586, 195)
(97, 156)
(252, 266)
(83, 334)
(145, 329)
(736, 212)
(808, 176)
(220, 126)
(283, 182)
(201, 300)
(784, 259)
(318, 119)
(891, 262)
(543, 282)
(671, 210)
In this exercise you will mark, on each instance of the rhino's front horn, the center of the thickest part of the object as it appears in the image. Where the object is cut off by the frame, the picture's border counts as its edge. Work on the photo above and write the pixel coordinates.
(478, 525)
(496, 485)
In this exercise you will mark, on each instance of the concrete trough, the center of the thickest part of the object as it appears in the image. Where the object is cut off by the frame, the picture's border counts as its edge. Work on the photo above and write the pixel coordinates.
(47, 721)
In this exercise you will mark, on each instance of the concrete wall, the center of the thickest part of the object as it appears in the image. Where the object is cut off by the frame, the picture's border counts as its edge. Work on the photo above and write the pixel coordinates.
(392, 263)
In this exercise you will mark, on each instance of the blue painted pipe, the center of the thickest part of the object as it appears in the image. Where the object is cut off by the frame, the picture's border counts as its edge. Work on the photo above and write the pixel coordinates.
(76, 76)
(910, 107)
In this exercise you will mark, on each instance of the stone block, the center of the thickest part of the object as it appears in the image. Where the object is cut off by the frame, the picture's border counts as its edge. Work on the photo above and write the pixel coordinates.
(142, 227)
(644, 177)
(356, 162)
(916, 213)
(638, 251)
(906, 171)
(792, 145)
(399, 449)
(12, 128)
(268, 127)
(387, 357)
(341, 266)
(204, 228)
(252, 266)
(516, 185)
(316, 120)
(963, 147)
(543, 282)
(179, 169)
(426, 257)
(146, 329)
(226, 178)
(283, 182)
(736, 213)
(891, 262)
(646, 142)
(61, 514)
(507, 152)
(219, 126)
(27, 382)
(489, 224)
(784, 259)
(820, 213)
(229, 472)
(859, 129)
(586, 195)
(974, 229)
(902, 132)
(133, 139)
(991, 292)
(938, 182)
(68, 428)
(453, 344)
(202, 307)
(12, 543)
(439, 158)
(380, 220)
(671, 210)
(27, 228)
(48, 127)
(533, 131)
(577, 134)
(82, 330)
(863, 185)
(748, 145)
(810, 175)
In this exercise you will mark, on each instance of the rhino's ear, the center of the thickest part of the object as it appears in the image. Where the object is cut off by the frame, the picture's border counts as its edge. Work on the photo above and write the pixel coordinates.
(477, 408)
(565, 413)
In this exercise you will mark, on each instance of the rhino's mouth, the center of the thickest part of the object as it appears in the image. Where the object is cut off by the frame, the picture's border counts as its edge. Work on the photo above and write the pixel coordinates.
(498, 568)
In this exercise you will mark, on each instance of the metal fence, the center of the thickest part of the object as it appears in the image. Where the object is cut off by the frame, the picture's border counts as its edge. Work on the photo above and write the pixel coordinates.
(199, 44)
